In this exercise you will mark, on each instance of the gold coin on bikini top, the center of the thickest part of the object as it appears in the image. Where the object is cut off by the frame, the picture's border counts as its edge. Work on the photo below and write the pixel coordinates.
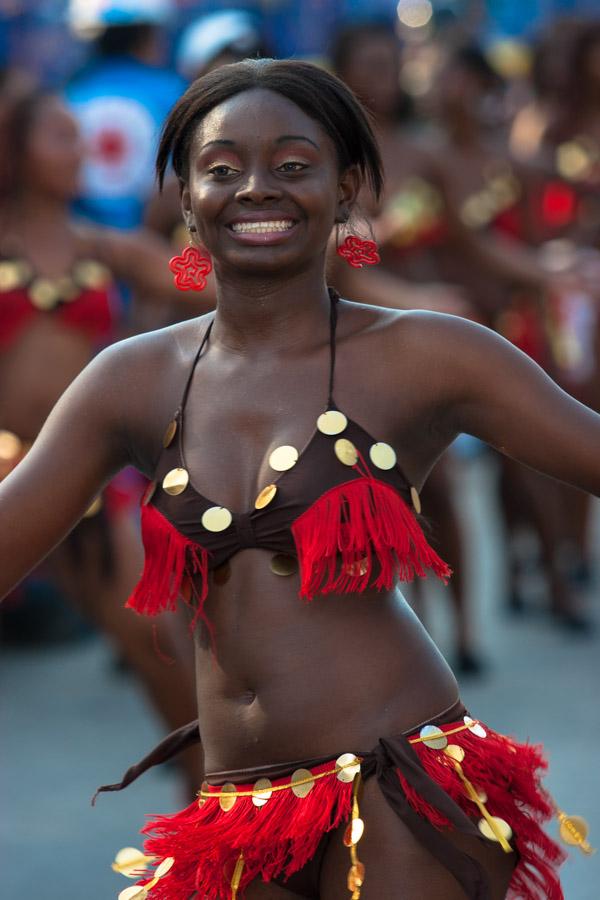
(283, 458)
(501, 825)
(204, 787)
(354, 832)
(299, 788)
(94, 508)
(135, 892)
(265, 788)
(283, 564)
(475, 727)
(228, 797)
(455, 752)
(131, 862)
(43, 293)
(13, 274)
(165, 866)
(433, 737)
(356, 876)
(216, 519)
(332, 422)
(348, 766)
(176, 481)
(346, 452)
(170, 433)
(266, 496)
(10, 446)
(383, 456)
(90, 274)
(67, 289)
(416, 500)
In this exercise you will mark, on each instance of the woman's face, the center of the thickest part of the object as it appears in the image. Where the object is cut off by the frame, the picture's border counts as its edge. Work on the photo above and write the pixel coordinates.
(264, 186)
(372, 71)
(53, 151)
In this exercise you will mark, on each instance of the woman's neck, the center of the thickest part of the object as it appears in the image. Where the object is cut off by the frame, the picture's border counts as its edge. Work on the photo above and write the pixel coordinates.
(271, 313)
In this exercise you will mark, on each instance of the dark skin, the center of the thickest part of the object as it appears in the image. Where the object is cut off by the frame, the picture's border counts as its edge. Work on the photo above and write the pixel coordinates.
(293, 680)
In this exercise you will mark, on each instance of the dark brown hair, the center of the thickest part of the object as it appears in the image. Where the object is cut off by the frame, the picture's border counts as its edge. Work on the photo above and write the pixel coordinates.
(320, 95)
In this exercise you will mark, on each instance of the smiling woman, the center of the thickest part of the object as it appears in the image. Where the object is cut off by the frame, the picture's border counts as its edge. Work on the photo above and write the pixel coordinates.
(287, 437)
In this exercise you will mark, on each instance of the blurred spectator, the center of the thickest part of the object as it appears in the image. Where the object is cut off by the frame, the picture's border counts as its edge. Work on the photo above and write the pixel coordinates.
(217, 39)
(121, 99)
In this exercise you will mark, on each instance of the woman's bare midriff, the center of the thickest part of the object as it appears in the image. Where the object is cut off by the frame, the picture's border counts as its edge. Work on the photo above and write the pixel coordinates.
(36, 370)
(294, 680)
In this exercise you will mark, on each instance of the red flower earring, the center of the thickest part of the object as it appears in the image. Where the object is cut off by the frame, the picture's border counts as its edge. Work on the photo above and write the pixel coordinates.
(358, 252)
(190, 269)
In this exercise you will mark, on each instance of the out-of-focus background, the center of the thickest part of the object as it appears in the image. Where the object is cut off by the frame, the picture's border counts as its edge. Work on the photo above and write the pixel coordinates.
(488, 114)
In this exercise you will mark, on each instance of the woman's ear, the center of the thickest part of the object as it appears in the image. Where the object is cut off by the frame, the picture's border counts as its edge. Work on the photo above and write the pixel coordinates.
(186, 208)
(349, 186)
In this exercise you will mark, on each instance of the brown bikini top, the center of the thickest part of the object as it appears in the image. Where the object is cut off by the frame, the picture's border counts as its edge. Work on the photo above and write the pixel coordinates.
(340, 509)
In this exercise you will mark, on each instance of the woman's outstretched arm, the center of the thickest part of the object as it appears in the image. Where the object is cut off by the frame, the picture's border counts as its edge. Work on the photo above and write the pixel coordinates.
(493, 391)
(82, 444)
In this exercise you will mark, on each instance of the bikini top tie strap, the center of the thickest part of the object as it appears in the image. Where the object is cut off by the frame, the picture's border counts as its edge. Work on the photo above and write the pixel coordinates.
(188, 383)
(333, 319)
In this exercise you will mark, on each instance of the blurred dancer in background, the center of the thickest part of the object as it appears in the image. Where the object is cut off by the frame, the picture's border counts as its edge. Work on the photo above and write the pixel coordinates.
(57, 308)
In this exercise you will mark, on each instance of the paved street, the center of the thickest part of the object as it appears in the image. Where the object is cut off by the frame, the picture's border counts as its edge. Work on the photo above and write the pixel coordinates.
(69, 722)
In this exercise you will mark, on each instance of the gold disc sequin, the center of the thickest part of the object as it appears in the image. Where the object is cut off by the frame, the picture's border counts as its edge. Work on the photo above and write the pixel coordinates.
(383, 456)
(433, 737)
(149, 493)
(356, 876)
(501, 825)
(475, 727)
(346, 452)
(94, 508)
(90, 274)
(222, 574)
(135, 892)
(43, 294)
(228, 796)
(283, 458)
(573, 830)
(266, 496)
(348, 766)
(216, 519)
(10, 446)
(176, 481)
(13, 274)
(354, 832)
(170, 433)
(332, 422)
(131, 862)
(302, 782)
(265, 788)
(165, 866)
(455, 752)
(283, 564)
(204, 788)
(416, 500)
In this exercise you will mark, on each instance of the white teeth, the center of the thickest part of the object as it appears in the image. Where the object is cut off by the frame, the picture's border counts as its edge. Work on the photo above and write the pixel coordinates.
(262, 227)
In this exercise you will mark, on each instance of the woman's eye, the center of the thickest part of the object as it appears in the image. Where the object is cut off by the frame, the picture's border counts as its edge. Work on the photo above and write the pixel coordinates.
(221, 170)
(292, 166)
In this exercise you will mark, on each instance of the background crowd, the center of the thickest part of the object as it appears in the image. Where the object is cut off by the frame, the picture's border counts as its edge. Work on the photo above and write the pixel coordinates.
(488, 115)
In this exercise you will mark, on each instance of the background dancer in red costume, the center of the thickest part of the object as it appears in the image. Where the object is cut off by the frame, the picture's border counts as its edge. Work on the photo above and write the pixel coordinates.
(305, 500)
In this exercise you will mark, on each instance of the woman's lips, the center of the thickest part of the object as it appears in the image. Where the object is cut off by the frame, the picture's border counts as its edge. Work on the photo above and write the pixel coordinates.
(260, 231)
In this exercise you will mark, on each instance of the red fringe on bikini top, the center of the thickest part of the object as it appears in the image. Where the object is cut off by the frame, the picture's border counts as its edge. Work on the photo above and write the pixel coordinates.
(352, 531)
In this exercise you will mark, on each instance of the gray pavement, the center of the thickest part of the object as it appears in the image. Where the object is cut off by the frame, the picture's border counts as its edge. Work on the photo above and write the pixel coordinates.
(68, 722)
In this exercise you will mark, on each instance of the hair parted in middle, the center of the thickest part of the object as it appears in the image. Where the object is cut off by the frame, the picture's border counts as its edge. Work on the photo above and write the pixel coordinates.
(322, 96)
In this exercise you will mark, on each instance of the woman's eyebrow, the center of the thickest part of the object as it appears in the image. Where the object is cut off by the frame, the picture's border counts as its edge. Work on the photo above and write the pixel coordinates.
(221, 142)
(295, 137)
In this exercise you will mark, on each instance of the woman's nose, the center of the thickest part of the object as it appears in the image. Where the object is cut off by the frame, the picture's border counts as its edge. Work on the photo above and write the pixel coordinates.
(258, 187)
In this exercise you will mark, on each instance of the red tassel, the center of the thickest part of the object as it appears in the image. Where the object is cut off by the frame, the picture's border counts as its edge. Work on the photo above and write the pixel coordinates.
(509, 773)
(277, 839)
(353, 526)
(170, 560)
